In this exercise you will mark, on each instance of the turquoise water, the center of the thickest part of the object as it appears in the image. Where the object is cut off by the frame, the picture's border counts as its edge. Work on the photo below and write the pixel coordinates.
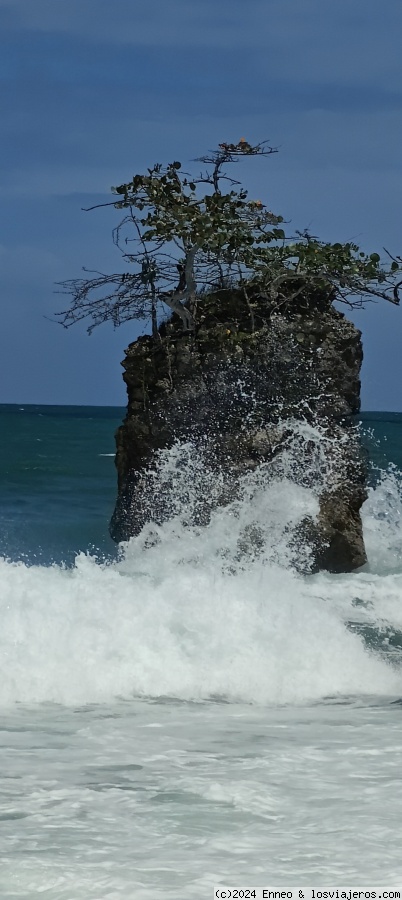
(382, 435)
(58, 479)
(173, 714)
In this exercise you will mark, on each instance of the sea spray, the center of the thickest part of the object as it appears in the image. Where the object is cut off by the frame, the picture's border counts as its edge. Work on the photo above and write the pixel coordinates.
(188, 484)
(196, 611)
(111, 787)
(382, 521)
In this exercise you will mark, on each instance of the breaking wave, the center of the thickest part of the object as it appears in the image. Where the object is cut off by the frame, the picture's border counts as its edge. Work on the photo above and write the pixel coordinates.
(215, 611)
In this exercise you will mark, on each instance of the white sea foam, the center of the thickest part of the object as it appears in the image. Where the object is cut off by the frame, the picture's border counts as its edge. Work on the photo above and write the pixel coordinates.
(187, 612)
(155, 798)
(382, 520)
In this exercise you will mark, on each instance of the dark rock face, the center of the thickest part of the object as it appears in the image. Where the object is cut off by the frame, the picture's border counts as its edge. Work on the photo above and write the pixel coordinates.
(239, 395)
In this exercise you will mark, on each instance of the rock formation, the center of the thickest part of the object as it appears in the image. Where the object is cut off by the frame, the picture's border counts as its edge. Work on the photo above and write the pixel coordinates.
(235, 388)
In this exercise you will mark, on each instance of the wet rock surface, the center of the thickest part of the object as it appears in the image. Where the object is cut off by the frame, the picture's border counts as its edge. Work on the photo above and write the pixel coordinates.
(237, 394)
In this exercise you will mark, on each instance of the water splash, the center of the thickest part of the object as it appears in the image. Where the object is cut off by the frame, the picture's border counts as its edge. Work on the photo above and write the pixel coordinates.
(198, 611)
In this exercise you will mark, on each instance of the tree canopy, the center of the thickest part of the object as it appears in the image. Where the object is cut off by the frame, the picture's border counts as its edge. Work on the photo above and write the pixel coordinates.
(182, 235)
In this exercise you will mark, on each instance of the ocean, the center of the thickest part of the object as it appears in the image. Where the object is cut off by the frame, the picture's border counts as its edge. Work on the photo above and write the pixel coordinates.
(178, 712)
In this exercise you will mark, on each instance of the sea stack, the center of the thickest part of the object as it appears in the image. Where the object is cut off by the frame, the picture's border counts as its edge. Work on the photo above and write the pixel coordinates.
(239, 386)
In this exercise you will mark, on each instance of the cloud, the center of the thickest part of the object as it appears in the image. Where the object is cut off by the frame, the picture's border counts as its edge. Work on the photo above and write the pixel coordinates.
(346, 40)
(73, 160)
(94, 91)
(148, 22)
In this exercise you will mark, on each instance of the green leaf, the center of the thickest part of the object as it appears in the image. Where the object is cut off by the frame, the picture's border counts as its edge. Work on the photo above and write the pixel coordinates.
(394, 266)
(375, 258)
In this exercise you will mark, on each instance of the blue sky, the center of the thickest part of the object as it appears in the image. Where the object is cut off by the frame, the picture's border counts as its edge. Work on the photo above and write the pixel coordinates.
(93, 91)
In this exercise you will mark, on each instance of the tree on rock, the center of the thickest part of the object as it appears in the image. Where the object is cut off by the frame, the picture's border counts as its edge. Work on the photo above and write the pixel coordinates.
(183, 235)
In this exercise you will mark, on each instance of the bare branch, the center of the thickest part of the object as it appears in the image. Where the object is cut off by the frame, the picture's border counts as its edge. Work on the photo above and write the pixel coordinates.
(217, 239)
(98, 206)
